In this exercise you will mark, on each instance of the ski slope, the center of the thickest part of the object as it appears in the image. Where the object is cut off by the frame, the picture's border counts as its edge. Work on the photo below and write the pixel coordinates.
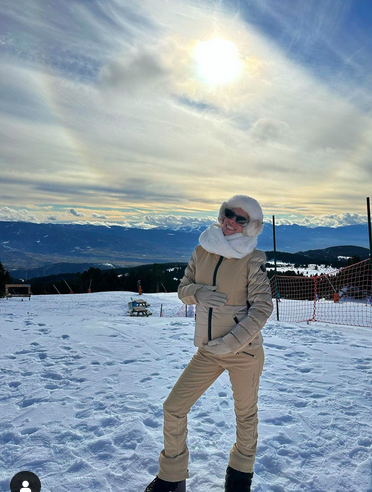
(83, 386)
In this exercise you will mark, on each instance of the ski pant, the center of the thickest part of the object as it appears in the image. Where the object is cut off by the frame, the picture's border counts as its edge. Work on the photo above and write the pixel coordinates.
(245, 369)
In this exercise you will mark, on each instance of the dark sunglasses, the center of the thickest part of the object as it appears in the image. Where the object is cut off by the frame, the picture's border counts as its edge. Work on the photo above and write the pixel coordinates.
(239, 219)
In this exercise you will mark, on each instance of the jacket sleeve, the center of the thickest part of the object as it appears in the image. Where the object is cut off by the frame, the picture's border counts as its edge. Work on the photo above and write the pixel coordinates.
(261, 306)
(187, 287)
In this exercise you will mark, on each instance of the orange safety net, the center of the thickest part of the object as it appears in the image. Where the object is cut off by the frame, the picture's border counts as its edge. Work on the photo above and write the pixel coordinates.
(341, 297)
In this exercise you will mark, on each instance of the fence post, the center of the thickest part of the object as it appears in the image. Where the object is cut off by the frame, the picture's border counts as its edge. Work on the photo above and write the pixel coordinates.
(370, 236)
(315, 297)
(369, 227)
(276, 273)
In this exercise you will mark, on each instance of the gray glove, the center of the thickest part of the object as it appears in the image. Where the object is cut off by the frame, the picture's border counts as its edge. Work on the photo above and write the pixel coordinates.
(217, 346)
(208, 296)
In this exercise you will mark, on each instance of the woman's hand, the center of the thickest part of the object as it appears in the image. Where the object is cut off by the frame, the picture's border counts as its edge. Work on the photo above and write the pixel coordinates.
(217, 346)
(208, 296)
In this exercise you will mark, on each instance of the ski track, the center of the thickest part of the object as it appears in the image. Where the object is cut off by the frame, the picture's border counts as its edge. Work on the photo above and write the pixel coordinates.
(83, 386)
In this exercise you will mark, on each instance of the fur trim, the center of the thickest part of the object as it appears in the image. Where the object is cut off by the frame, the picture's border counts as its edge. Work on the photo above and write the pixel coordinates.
(253, 209)
(234, 246)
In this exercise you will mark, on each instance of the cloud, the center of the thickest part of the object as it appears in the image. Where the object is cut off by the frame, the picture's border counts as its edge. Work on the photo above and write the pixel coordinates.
(134, 72)
(99, 216)
(143, 220)
(177, 222)
(332, 220)
(22, 215)
(116, 111)
(268, 129)
(75, 212)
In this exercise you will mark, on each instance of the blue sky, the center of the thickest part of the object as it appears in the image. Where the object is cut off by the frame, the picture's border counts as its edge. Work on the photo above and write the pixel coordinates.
(108, 113)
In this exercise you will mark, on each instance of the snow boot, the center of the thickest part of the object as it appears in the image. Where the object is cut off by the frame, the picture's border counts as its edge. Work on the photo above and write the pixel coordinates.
(159, 485)
(237, 481)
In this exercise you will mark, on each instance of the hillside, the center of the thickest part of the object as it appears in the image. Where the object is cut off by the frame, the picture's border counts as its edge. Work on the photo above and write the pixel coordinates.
(335, 255)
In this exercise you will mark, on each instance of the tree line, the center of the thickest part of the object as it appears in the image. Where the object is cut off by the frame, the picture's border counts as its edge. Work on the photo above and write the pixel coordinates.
(153, 278)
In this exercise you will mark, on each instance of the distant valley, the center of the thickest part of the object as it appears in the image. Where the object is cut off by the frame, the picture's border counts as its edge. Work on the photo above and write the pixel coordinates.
(31, 249)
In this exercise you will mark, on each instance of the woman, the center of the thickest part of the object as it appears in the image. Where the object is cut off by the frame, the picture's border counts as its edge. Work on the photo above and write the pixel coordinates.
(226, 279)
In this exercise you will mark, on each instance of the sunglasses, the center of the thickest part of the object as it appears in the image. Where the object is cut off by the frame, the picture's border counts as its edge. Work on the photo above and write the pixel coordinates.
(239, 219)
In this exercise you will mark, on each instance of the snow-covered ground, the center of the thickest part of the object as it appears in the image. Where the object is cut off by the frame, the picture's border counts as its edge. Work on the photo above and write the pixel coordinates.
(82, 387)
(308, 271)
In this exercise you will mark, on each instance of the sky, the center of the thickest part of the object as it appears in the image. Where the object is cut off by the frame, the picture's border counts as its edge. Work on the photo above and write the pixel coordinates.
(133, 112)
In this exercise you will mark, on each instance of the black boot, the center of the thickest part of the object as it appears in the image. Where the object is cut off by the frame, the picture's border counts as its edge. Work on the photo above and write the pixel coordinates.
(237, 481)
(159, 485)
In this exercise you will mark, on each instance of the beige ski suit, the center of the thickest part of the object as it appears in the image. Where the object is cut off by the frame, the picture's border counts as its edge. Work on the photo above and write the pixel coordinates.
(239, 322)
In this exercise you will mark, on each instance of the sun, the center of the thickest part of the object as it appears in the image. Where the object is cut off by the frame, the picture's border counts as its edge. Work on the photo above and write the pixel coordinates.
(218, 61)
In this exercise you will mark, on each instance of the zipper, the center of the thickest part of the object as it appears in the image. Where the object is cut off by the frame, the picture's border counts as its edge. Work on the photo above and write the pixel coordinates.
(210, 312)
(250, 355)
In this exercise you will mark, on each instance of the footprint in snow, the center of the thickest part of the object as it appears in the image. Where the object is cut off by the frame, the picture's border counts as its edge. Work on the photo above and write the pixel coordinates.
(51, 386)
(44, 331)
(14, 384)
(52, 375)
(151, 423)
(365, 442)
(359, 454)
(9, 438)
(101, 445)
(280, 421)
(28, 402)
(83, 414)
(281, 439)
(300, 404)
(128, 440)
(317, 396)
(273, 345)
(109, 422)
(29, 430)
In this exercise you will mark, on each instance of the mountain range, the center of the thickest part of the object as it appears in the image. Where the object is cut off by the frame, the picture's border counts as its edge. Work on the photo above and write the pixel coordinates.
(26, 245)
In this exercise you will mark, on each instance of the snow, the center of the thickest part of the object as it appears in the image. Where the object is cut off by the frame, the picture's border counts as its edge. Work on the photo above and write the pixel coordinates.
(310, 270)
(83, 386)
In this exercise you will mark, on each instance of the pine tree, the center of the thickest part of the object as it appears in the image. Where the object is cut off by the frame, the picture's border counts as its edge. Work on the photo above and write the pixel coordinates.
(354, 259)
(5, 278)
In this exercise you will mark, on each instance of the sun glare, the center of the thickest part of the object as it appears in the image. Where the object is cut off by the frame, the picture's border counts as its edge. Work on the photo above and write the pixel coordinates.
(218, 61)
